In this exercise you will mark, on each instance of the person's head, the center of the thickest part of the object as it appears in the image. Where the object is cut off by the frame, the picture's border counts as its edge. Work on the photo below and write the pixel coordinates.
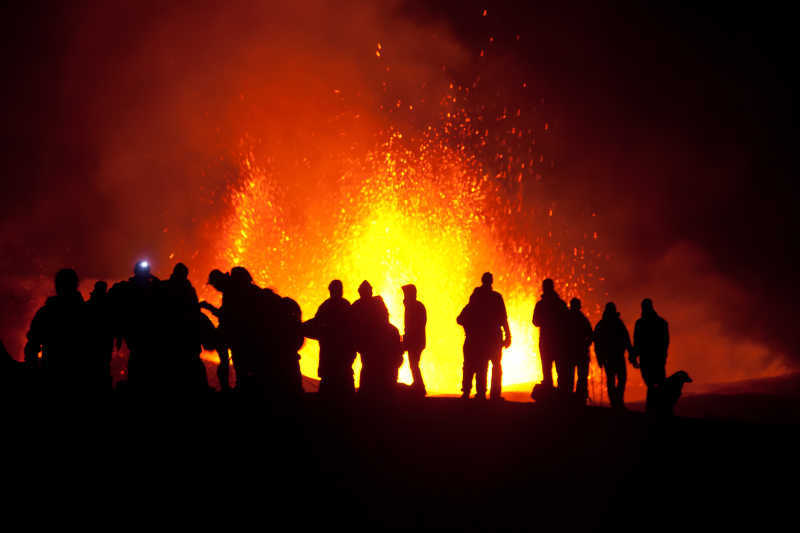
(66, 281)
(610, 310)
(240, 276)
(100, 289)
(548, 286)
(647, 306)
(575, 304)
(487, 279)
(381, 309)
(409, 292)
(180, 272)
(365, 289)
(142, 269)
(336, 288)
(218, 279)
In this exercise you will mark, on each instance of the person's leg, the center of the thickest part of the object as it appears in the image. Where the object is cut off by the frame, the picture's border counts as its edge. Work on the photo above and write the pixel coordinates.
(611, 385)
(413, 362)
(468, 372)
(566, 376)
(480, 378)
(497, 374)
(582, 388)
(545, 357)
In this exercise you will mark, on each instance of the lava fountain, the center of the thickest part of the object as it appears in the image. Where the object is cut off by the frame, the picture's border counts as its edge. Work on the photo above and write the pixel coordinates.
(435, 206)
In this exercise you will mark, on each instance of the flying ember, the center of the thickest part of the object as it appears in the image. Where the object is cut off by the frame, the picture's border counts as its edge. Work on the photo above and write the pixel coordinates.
(435, 205)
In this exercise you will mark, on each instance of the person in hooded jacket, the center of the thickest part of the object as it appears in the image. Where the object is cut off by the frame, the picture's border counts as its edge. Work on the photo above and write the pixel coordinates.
(611, 340)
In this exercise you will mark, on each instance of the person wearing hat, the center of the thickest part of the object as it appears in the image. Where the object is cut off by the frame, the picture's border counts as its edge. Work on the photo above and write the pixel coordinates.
(414, 336)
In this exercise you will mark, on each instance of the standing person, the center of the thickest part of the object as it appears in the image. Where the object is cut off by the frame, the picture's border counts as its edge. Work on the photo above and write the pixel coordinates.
(578, 341)
(367, 321)
(611, 340)
(58, 331)
(220, 281)
(184, 330)
(414, 336)
(549, 316)
(137, 317)
(650, 343)
(331, 327)
(101, 337)
(286, 380)
(485, 323)
(475, 364)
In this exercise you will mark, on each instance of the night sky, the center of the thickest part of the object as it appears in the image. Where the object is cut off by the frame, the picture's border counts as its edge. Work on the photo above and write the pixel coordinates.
(677, 126)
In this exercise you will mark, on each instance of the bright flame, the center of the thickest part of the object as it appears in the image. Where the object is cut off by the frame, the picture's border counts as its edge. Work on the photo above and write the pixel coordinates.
(424, 208)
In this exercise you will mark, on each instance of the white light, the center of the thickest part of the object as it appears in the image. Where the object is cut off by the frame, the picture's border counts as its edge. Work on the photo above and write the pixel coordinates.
(144, 264)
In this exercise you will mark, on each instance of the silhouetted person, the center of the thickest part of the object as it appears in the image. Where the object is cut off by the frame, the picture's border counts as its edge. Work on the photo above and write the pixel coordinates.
(101, 337)
(58, 331)
(137, 315)
(386, 357)
(549, 316)
(611, 340)
(414, 337)
(485, 322)
(476, 361)
(578, 340)
(286, 379)
(650, 343)
(220, 281)
(250, 331)
(373, 340)
(184, 328)
(331, 327)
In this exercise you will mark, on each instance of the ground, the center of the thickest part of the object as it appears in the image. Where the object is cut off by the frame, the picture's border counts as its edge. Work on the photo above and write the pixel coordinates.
(432, 463)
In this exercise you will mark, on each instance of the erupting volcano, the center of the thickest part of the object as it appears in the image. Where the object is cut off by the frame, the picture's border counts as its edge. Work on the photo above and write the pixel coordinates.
(434, 204)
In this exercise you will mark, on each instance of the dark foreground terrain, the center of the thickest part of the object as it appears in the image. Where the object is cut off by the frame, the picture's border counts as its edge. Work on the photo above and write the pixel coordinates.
(437, 463)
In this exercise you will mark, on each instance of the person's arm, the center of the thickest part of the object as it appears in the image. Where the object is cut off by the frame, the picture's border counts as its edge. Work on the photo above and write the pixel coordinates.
(504, 325)
(637, 339)
(210, 308)
(34, 344)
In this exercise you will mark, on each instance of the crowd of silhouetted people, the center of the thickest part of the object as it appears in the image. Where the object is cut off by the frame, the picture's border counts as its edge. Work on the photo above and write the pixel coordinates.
(565, 335)
(70, 341)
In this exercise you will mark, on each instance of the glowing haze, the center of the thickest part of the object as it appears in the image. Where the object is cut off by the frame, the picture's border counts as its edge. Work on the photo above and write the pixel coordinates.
(404, 142)
(433, 206)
